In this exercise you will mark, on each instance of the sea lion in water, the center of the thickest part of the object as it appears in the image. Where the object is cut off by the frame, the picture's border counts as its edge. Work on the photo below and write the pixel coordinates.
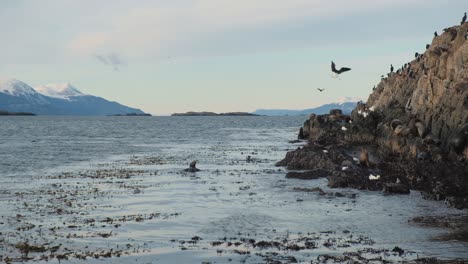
(192, 167)
(364, 158)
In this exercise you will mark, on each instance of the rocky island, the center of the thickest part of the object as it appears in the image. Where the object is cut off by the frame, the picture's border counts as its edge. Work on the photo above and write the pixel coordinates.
(6, 113)
(412, 133)
(214, 114)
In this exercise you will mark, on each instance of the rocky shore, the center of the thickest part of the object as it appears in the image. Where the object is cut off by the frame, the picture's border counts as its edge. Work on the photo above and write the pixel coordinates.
(412, 133)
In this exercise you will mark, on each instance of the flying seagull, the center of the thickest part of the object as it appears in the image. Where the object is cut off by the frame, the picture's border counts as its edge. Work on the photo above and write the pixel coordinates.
(320, 90)
(341, 70)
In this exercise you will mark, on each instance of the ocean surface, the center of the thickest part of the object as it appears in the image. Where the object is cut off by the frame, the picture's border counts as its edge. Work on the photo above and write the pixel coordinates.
(116, 184)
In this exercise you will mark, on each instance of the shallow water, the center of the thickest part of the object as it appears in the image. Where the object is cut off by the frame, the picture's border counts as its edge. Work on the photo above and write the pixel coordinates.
(46, 160)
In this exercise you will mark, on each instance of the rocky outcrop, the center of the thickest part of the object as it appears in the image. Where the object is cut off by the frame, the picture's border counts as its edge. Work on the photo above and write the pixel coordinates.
(415, 124)
(430, 92)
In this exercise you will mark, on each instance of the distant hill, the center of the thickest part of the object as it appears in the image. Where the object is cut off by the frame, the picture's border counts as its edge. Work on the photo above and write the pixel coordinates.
(56, 99)
(214, 114)
(346, 104)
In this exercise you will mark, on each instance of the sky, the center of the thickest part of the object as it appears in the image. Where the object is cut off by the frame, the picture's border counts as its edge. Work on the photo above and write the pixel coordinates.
(216, 55)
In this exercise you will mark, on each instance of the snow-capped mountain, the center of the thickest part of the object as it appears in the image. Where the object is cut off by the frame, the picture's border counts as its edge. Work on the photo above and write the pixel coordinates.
(346, 99)
(346, 104)
(58, 90)
(19, 89)
(56, 99)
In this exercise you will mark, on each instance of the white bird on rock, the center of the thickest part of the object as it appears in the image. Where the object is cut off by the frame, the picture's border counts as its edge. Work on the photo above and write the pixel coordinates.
(374, 177)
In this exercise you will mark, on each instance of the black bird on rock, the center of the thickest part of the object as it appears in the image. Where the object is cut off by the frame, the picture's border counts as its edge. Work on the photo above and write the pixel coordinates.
(320, 90)
(391, 68)
(416, 55)
(341, 70)
(427, 46)
(435, 34)
(463, 19)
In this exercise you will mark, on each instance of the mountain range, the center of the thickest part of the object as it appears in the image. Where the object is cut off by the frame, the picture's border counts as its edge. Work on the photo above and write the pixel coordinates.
(346, 104)
(56, 99)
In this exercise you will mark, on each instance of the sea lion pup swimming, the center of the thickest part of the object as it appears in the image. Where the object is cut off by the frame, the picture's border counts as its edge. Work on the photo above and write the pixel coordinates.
(192, 167)
(364, 157)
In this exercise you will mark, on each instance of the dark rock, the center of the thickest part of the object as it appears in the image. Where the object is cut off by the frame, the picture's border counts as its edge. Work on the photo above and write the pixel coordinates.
(336, 112)
(308, 175)
(396, 188)
(301, 134)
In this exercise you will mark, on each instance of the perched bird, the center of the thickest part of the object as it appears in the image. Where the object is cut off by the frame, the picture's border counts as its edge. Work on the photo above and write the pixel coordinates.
(373, 89)
(341, 70)
(427, 46)
(320, 90)
(435, 34)
(248, 159)
(344, 128)
(391, 67)
(374, 177)
(416, 55)
(463, 19)
(325, 151)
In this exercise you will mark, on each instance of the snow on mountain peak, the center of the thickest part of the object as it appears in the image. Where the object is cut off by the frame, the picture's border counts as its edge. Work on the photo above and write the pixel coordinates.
(59, 90)
(346, 99)
(15, 87)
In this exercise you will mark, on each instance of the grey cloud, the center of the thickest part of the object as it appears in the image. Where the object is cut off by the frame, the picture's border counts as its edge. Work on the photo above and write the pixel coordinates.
(113, 60)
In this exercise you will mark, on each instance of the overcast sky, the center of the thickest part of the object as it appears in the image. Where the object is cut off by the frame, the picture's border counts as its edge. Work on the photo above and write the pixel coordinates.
(216, 55)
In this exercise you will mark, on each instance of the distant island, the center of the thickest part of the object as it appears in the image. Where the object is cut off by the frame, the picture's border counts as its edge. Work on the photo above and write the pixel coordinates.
(132, 114)
(6, 113)
(214, 114)
(345, 104)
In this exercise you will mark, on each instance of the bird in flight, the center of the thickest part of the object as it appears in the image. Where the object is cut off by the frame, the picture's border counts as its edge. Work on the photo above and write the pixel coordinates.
(320, 90)
(341, 70)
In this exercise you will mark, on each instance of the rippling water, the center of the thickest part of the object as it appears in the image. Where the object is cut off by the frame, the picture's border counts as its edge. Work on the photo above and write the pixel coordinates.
(228, 197)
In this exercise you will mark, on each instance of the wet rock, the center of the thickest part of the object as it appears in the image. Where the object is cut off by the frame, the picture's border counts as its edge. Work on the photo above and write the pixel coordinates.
(301, 134)
(308, 175)
(398, 250)
(397, 188)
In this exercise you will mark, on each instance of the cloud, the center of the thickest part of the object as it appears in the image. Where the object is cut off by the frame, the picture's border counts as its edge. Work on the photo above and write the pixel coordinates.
(111, 59)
